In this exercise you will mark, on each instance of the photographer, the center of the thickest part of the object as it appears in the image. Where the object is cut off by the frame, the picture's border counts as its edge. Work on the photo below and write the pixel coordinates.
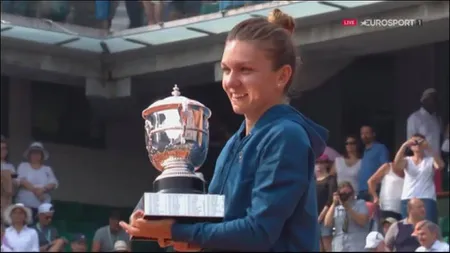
(350, 218)
(419, 174)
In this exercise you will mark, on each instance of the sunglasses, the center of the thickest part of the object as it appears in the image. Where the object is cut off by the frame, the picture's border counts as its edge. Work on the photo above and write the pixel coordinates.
(350, 143)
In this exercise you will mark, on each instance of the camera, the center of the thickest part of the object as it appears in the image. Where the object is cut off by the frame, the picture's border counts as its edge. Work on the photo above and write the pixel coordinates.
(344, 196)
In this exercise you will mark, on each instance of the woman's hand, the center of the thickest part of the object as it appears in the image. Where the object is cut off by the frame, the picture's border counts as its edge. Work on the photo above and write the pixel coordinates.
(336, 199)
(410, 142)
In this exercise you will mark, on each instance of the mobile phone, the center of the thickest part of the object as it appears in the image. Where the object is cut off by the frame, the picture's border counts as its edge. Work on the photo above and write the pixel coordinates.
(14, 175)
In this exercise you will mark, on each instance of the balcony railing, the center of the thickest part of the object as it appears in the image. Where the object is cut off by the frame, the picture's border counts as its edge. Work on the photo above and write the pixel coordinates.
(113, 16)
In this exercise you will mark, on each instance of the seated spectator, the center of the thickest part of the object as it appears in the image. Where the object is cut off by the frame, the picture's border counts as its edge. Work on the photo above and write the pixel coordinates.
(121, 246)
(387, 223)
(78, 243)
(18, 235)
(350, 218)
(375, 242)
(347, 168)
(154, 11)
(399, 235)
(325, 187)
(36, 179)
(430, 239)
(390, 195)
(419, 174)
(49, 239)
(7, 173)
(107, 236)
(5, 245)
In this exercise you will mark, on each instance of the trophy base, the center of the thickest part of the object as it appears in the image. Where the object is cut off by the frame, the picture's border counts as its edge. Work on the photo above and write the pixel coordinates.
(179, 185)
(185, 208)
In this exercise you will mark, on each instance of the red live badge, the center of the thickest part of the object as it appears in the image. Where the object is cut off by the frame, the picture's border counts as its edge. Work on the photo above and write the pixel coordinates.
(350, 22)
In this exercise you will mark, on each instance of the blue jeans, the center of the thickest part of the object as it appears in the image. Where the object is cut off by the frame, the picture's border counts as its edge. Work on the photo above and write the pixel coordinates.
(431, 212)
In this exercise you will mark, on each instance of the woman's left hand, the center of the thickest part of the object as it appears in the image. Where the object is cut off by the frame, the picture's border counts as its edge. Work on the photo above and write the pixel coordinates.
(155, 229)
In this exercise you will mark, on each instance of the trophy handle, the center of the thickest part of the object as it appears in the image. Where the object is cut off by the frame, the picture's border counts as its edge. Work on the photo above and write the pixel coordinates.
(183, 110)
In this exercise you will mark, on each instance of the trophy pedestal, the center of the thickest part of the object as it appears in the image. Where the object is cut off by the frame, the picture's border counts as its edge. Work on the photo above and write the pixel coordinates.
(183, 207)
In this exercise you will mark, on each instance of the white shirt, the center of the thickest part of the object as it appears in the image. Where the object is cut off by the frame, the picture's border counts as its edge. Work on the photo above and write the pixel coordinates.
(8, 166)
(347, 173)
(38, 178)
(25, 241)
(437, 246)
(445, 146)
(419, 179)
(390, 196)
(429, 125)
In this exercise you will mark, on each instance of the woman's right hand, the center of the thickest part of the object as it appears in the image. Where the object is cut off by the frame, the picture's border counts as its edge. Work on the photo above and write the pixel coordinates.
(410, 142)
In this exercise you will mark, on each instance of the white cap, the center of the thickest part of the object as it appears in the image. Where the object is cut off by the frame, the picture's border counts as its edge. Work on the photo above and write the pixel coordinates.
(120, 246)
(426, 93)
(373, 239)
(36, 146)
(45, 208)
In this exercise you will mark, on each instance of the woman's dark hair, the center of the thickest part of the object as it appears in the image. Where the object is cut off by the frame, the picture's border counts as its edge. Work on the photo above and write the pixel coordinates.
(274, 35)
(344, 184)
(357, 143)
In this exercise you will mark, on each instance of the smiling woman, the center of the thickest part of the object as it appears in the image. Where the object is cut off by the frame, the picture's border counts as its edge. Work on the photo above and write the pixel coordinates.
(266, 169)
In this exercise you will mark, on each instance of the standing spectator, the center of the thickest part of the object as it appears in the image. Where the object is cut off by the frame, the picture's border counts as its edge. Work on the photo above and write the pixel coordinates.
(399, 235)
(107, 236)
(104, 12)
(375, 242)
(325, 187)
(135, 13)
(154, 11)
(184, 9)
(391, 190)
(387, 223)
(375, 155)
(350, 218)
(36, 179)
(7, 173)
(78, 243)
(430, 238)
(419, 170)
(49, 239)
(347, 168)
(427, 121)
(19, 236)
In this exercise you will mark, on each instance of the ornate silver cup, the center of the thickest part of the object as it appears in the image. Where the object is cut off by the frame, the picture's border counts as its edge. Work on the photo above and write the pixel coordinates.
(177, 139)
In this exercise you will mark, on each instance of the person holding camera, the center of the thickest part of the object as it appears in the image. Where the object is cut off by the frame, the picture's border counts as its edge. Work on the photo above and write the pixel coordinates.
(419, 174)
(350, 218)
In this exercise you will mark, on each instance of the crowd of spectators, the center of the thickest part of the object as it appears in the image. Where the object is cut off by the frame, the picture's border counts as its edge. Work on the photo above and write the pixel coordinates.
(365, 200)
(100, 13)
(368, 202)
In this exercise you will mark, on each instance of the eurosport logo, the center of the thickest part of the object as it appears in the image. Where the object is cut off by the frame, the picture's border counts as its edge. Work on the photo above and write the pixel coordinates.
(391, 22)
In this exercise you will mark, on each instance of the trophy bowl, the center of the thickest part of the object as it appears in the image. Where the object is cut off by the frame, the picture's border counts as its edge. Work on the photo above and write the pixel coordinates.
(177, 139)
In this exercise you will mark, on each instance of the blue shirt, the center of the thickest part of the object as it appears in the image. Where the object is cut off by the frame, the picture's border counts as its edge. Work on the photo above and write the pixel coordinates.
(373, 158)
(267, 178)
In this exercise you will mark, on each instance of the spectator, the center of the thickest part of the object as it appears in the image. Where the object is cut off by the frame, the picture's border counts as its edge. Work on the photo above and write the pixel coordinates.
(399, 235)
(19, 236)
(350, 218)
(375, 242)
(135, 13)
(104, 12)
(375, 155)
(347, 168)
(445, 146)
(36, 179)
(331, 153)
(121, 246)
(184, 9)
(107, 236)
(78, 243)
(49, 239)
(325, 187)
(419, 170)
(5, 245)
(391, 190)
(153, 10)
(426, 121)
(387, 223)
(7, 173)
(430, 239)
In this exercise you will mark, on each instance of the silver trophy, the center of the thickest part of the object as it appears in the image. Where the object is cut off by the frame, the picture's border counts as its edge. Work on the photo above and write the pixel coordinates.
(177, 139)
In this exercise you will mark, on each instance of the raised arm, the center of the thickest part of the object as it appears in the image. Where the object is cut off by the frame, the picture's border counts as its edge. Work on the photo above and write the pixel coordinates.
(375, 179)
(399, 160)
(281, 181)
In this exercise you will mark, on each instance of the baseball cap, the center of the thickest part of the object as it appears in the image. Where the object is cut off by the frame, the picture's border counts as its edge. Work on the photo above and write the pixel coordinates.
(46, 208)
(373, 239)
(120, 246)
(389, 220)
(323, 158)
(79, 238)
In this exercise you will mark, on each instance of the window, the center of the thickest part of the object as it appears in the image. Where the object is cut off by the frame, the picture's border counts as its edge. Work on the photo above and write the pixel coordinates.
(5, 106)
(62, 114)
